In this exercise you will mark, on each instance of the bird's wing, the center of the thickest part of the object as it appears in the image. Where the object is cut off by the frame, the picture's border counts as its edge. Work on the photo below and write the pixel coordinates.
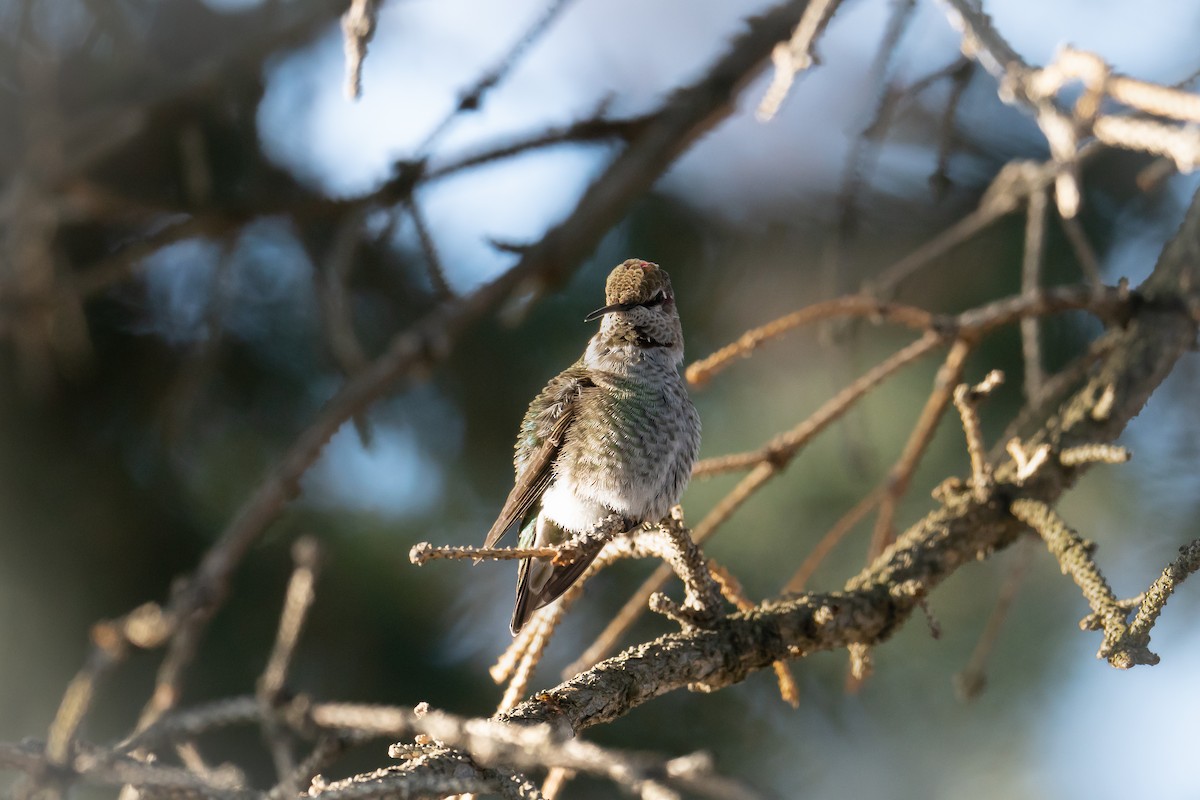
(546, 427)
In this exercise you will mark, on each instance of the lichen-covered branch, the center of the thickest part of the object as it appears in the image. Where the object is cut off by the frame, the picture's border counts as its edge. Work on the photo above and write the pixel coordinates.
(876, 602)
(1131, 646)
(439, 747)
(1074, 555)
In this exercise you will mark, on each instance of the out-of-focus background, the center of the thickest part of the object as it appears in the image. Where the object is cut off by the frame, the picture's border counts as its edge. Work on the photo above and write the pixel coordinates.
(145, 407)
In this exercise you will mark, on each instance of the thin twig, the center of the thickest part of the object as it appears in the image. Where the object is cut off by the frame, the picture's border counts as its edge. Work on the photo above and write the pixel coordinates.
(966, 400)
(1085, 254)
(437, 273)
(472, 98)
(556, 781)
(731, 590)
(423, 552)
(544, 623)
(948, 375)
(1054, 389)
(358, 27)
(960, 80)
(795, 55)
(1104, 302)
(1128, 648)
(1027, 463)
(507, 663)
(779, 452)
(1031, 269)
(620, 624)
(887, 280)
(298, 600)
(596, 129)
(324, 752)
(334, 294)
(702, 371)
(969, 683)
(830, 540)
(1074, 556)
(867, 145)
(1093, 454)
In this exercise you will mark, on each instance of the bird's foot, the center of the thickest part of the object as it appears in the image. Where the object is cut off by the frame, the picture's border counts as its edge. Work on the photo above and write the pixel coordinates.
(581, 545)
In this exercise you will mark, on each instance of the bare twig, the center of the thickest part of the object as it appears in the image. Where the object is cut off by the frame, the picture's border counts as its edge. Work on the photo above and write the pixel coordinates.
(1093, 454)
(948, 375)
(887, 280)
(620, 624)
(960, 80)
(472, 98)
(323, 753)
(1027, 462)
(778, 453)
(701, 372)
(1031, 270)
(1074, 555)
(556, 780)
(507, 663)
(596, 129)
(732, 591)
(437, 273)
(334, 294)
(1128, 648)
(1105, 303)
(145, 626)
(544, 623)
(423, 552)
(1035, 89)
(824, 547)
(489, 744)
(795, 55)
(299, 598)
(966, 400)
(358, 27)
(969, 683)
(92, 766)
(1054, 389)
(866, 148)
(1085, 254)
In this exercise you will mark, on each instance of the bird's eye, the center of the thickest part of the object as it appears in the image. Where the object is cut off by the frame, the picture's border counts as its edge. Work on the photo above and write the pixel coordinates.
(658, 299)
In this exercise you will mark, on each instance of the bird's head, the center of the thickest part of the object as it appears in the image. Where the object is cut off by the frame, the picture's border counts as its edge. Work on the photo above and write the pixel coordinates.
(640, 308)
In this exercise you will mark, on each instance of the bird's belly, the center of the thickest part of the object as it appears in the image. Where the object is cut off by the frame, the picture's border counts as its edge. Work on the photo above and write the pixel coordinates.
(638, 466)
(569, 510)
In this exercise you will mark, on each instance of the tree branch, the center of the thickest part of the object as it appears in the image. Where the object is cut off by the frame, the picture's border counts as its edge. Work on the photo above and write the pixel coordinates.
(875, 603)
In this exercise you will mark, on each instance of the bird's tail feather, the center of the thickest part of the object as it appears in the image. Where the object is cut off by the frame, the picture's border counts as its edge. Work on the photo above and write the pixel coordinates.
(561, 579)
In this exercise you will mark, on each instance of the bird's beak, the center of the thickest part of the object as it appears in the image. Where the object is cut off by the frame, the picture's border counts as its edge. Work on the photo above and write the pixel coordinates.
(600, 312)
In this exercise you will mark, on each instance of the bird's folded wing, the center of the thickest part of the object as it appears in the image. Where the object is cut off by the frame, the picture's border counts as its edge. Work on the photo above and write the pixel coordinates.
(538, 472)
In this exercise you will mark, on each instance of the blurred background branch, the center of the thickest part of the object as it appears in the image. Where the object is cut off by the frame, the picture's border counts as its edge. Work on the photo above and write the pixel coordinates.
(238, 311)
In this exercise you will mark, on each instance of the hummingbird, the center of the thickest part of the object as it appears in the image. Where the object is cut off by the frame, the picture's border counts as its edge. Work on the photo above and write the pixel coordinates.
(615, 432)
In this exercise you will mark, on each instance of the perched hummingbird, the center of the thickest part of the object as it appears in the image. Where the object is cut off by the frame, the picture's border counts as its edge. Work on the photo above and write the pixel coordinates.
(613, 433)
